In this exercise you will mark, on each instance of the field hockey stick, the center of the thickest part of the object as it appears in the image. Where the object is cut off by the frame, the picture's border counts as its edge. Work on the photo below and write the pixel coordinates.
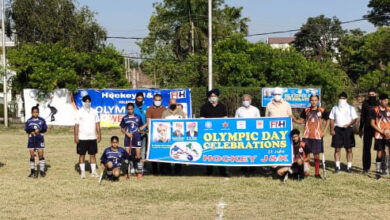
(323, 161)
(129, 166)
(101, 175)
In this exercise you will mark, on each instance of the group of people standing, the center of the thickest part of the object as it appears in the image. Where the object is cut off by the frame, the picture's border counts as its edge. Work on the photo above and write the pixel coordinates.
(375, 122)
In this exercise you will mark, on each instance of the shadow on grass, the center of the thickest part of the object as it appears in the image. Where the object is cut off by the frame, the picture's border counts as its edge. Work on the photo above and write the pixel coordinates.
(2, 164)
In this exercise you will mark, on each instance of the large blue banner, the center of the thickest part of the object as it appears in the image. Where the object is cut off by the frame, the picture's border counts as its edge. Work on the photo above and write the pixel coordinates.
(297, 97)
(111, 103)
(224, 141)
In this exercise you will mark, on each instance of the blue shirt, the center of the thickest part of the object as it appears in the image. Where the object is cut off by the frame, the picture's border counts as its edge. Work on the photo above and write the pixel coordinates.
(35, 123)
(131, 123)
(141, 111)
(114, 156)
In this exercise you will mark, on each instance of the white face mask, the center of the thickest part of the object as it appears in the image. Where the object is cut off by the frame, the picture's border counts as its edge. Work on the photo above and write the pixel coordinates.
(213, 99)
(246, 103)
(157, 103)
(277, 98)
(342, 102)
(87, 105)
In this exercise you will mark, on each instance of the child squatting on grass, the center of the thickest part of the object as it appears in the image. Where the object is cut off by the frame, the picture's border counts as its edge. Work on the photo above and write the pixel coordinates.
(111, 159)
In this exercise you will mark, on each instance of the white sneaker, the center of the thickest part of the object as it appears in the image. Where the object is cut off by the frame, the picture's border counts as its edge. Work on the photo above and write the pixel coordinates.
(94, 174)
(82, 175)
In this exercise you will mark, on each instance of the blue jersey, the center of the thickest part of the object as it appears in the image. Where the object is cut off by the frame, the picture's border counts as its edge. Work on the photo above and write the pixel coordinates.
(35, 123)
(141, 111)
(131, 123)
(114, 156)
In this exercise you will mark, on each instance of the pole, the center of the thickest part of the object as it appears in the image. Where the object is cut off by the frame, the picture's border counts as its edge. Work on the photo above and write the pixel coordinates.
(4, 66)
(210, 46)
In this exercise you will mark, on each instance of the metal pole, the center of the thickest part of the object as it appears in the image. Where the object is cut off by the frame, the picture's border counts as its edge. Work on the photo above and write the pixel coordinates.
(210, 46)
(4, 67)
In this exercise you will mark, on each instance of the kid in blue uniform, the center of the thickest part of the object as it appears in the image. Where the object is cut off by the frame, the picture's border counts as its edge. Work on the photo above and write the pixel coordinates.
(112, 157)
(131, 125)
(34, 127)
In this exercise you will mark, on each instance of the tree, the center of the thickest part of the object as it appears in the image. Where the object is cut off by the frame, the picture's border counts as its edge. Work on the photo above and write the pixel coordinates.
(51, 21)
(319, 37)
(48, 66)
(379, 14)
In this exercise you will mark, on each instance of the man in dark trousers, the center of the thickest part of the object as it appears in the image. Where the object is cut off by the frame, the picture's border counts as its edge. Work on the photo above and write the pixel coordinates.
(214, 109)
(365, 128)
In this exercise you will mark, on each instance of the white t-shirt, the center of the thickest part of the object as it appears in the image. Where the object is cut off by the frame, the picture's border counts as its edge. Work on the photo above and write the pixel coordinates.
(250, 112)
(87, 123)
(343, 115)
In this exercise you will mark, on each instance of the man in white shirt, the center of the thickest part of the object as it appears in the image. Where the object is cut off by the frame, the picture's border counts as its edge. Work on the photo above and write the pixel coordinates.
(278, 107)
(247, 110)
(86, 135)
(342, 117)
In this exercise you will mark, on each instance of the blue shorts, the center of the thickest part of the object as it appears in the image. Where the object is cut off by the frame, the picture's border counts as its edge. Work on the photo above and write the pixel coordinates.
(136, 143)
(313, 145)
(36, 142)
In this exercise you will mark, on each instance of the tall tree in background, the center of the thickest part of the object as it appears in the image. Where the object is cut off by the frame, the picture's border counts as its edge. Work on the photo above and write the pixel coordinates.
(319, 37)
(379, 14)
(51, 21)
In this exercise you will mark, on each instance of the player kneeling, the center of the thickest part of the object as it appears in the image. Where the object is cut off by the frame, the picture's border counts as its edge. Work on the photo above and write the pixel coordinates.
(34, 127)
(299, 160)
(111, 159)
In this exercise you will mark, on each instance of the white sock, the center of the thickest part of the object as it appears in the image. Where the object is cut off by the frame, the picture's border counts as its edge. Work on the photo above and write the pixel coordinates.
(349, 164)
(82, 167)
(378, 166)
(338, 164)
(42, 165)
(93, 167)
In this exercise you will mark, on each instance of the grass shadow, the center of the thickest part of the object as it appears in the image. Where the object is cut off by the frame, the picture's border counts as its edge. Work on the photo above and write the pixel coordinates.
(2, 164)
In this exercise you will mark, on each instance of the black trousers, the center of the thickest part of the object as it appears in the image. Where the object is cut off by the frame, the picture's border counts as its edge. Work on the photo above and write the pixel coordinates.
(368, 136)
(222, 170)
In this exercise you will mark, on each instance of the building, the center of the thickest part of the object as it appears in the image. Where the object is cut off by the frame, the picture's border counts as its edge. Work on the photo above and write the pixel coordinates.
(280, 42)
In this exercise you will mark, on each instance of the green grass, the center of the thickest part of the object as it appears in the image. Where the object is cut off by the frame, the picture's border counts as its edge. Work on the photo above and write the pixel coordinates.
(63, 195)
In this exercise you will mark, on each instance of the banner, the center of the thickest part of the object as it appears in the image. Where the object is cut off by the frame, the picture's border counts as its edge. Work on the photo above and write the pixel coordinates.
(57, 108)
(223, 141)
(111, 103)
(297, 97)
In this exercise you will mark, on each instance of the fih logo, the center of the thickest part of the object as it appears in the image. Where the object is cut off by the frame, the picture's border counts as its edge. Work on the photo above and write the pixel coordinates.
(277, 124)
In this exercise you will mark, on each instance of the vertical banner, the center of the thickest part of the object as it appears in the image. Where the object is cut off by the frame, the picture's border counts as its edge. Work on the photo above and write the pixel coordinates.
(297, 97)
(223, 141)
(111, 103)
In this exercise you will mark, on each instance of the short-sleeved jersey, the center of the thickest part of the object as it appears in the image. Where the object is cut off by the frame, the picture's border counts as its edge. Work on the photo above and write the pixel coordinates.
(87, 120)
(382, 120)
(313, 122)
(35, 123)
(109, 155)
(131, 123)
(299, 151)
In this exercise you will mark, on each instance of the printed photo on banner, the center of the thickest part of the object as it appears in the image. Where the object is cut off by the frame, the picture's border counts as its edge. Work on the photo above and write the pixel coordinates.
(162, 132)
(192, 129)
(186, 151)
(178, 129)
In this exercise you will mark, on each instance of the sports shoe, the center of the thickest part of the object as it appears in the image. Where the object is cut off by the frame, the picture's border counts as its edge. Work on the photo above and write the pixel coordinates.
(349, 170)
(94, 174)
(285, 178)
(139, 176)
(32, 175)
(365, 172)
(42, 173)
(82, 175)
(337, 170)
(318, 176)
(384, 172)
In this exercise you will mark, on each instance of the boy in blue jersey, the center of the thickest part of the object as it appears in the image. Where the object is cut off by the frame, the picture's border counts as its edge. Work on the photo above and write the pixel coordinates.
(112, 157)
(34, 127)
(131, 125)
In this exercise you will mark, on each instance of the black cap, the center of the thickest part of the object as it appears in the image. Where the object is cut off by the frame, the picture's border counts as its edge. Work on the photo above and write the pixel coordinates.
(213, 91)
(294, 132)
(383, 96)
(87, 97)
(372, 89)
(343, 94)
(139, 94)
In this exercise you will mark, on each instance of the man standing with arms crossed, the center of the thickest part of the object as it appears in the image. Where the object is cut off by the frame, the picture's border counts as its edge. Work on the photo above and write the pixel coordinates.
(86, 135)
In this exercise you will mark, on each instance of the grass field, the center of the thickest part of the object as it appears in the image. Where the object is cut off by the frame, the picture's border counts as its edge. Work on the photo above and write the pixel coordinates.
(63, 195)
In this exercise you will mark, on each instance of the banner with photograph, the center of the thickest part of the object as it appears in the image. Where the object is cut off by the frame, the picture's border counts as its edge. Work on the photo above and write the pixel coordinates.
(297, 97)
(223, 141)
(111, 103)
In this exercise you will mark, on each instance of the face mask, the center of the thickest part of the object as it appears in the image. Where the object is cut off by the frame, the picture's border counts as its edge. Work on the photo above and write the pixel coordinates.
(277, 98)
(213, 99)
(87, 105)
(372, 100)
(139, 104)
(342, 102)
(246, 103)
(157, 103)
(173, 107)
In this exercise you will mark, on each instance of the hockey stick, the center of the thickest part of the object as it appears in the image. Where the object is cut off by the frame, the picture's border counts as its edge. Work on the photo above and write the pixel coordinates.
(323, 160)
(101, 176)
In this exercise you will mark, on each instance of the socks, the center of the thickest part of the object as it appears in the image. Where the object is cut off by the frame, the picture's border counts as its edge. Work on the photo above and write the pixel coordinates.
(140, 165)
(93, 167)
(82, 167)
(338, 164)
(349, 165)
(32, 165)
(42, 163)
(317, 166)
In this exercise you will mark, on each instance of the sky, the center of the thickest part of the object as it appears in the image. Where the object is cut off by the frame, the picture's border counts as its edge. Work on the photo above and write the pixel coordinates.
(130, 18)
